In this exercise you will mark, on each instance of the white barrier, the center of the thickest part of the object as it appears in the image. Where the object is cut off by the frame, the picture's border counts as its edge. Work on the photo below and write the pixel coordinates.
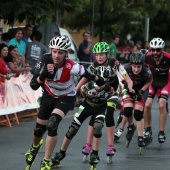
(17, 95)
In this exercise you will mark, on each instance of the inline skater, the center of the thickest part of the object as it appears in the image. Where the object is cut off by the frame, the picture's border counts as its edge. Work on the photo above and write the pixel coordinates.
(134, 102)
(159, 63)
(55, 74)
(111, 103)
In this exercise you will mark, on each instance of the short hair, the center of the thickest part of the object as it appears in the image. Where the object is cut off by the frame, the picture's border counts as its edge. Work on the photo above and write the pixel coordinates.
(115, 36)
(17, 30)
(28, 26)
(86, 32)
(38, 35)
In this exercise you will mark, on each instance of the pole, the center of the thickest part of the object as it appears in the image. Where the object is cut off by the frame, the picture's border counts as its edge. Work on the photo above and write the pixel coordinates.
(101, 21)
(147, 28)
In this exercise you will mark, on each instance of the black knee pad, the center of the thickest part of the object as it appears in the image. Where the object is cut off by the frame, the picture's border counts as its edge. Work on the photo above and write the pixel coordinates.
(128, 111)
(109, 119)
(138, 115)
(73, 129)
(98, 125)
(39, 130)
(53, 123)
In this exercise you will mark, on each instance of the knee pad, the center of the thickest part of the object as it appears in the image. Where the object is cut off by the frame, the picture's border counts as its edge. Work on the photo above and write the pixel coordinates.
(163, 96)
(39, 130)
(109, 118)
(53, 123)
(98, 125)
(138, 115)
(128, 111)
(73, 129)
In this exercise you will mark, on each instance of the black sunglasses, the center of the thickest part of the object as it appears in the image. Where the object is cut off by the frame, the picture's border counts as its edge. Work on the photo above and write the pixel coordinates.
(157, 50)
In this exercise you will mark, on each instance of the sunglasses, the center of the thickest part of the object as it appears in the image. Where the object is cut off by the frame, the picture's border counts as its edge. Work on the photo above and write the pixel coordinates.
(157, 50)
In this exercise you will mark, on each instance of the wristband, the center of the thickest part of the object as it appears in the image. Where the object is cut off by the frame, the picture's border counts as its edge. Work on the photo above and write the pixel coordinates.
(4, 76)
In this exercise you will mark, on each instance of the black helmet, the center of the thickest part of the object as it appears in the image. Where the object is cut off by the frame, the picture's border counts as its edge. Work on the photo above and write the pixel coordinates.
(137, 58)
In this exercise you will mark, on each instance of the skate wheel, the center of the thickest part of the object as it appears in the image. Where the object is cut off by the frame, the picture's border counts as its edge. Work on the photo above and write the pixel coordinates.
(140, 150)
(109, 159)
(28, 167)
(85, 158)
(127, 144)
(93, 167)
(159, 146)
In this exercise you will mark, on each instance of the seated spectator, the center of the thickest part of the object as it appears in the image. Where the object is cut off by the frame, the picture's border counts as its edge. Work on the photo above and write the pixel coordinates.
(12, 53)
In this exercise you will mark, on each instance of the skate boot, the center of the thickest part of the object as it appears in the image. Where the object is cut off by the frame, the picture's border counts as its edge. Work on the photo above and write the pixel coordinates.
(45, 165)
(118, 134)
(31, 154)
(141, 144)
(130, 133)
(110, 152)
(147, 136)
(161, 139)
(86, 151)
(55, 161)
(94, 159)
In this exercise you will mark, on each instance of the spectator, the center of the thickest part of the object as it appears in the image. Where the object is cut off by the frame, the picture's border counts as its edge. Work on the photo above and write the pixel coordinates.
(11, 57)
(17, 40)
(85, 49)
(28, 30)
(113, 48)
(3, 69)
(35, 49)
(137, 47)
(5, 38)
(146, 45)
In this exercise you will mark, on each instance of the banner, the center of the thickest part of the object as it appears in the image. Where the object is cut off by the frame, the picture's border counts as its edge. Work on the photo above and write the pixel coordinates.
(16, 95)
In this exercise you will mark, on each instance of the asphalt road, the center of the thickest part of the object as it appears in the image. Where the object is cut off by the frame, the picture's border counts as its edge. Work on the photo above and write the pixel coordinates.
(15, 141)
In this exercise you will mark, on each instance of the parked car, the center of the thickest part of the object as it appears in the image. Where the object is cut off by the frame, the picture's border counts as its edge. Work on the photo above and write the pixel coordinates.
(73, 53)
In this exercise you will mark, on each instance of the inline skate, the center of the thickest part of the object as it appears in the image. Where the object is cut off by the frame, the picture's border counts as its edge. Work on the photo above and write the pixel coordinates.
(130, 133)
(86, 151)
(161, 139)
(118, 134)
(110, 153)
(31, 154)
(141, 144)
(147, 136)
(55, 161)
(45, 165)
(94, 159)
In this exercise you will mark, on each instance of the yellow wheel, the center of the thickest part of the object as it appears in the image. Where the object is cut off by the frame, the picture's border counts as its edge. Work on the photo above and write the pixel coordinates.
(140, 150)
(93, 167)
(28, 167)
(127, 144)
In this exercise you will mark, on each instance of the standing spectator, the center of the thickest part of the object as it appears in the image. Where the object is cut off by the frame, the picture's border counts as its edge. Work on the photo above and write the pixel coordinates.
(17, 40)
(113, 48)
(27, 33)
(85, 49)
(34, 50)
(137, 46)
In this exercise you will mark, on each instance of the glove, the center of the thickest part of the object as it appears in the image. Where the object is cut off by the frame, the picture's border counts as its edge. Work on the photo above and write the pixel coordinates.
(100, 81)
(43, 74)
(139, 95)
(88, 75)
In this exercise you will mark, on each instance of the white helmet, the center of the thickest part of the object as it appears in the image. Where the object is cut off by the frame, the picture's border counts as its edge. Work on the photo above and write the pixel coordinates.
(60, 43)
(157, 43)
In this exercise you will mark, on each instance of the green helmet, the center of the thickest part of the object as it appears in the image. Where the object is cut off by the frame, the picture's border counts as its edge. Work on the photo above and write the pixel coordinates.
(101, 47)
(137, 58)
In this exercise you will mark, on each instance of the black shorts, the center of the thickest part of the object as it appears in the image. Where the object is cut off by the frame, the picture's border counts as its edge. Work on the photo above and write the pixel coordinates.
(49, 103)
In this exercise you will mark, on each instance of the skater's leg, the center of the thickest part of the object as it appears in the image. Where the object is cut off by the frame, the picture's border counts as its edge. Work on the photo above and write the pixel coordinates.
(147, 112)
(163, 113)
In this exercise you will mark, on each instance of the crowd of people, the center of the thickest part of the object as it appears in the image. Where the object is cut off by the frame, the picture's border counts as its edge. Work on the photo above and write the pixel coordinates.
(104, 82)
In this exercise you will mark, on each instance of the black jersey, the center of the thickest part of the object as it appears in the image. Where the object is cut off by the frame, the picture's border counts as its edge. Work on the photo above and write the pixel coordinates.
(140, 79)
